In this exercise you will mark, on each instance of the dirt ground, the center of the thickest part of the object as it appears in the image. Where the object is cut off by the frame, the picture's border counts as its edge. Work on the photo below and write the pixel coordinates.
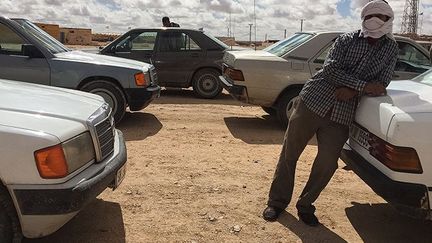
(200, 170)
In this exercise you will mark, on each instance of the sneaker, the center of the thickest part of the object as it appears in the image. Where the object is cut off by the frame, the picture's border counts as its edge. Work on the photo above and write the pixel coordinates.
(309, 219)
(272, 213)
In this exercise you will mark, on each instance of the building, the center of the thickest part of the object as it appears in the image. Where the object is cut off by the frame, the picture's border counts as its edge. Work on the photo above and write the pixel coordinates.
(52, 29)
(76, 36)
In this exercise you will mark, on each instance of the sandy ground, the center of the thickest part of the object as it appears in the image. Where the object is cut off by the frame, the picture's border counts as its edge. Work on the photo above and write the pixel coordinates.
(200, 170)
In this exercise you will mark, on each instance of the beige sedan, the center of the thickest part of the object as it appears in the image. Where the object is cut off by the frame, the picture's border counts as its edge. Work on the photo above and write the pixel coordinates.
(273, 77)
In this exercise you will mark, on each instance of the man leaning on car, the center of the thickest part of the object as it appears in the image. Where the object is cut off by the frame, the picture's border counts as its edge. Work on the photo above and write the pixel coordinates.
(360, 63)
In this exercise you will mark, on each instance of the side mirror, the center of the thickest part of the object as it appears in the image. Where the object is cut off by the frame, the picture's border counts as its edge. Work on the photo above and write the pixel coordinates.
(31, 51)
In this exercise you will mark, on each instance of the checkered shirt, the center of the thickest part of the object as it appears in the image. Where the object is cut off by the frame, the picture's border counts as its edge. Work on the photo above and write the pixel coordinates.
(352, 62)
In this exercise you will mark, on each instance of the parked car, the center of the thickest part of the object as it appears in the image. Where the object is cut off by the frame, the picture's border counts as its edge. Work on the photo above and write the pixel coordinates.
(390, 145)
(59, 149)
(29, 54)
(182, 57)
(273, 77)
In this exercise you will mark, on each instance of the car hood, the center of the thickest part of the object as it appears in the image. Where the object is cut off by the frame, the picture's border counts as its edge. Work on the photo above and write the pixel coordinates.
(98, 59)
(403, 97)
(39, 100)
(231, 57)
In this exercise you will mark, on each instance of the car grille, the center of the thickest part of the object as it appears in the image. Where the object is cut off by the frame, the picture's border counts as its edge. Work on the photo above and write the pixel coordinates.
(105, 136)
(153, 76)
(102, 129)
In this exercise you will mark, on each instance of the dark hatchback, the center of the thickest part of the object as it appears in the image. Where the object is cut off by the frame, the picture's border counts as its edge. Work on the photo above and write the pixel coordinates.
(182, 57)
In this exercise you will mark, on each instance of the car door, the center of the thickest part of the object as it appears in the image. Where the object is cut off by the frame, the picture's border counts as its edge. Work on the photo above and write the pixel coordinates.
(177, 58)
(138, 45)
(14, 65)
(411, 62)
(316, 64)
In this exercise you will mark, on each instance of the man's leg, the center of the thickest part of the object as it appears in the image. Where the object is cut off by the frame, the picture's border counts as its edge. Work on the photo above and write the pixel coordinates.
(331, 138)
(302, 126)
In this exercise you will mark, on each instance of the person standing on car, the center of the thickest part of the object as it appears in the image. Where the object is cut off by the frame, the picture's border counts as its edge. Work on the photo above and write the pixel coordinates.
(360, 63)
(167, 23)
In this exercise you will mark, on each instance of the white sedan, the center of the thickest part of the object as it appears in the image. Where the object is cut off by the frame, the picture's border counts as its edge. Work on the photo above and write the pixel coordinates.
(390, 142)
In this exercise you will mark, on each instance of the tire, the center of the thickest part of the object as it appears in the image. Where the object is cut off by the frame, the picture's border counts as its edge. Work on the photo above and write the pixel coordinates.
(286, 105)
(269, 110)
(206, 84)
(112, 94)
(10, 230)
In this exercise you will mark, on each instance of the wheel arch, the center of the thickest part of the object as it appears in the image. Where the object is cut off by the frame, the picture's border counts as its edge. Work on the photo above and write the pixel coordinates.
(289, 88)
(200, 69)
(104, 78)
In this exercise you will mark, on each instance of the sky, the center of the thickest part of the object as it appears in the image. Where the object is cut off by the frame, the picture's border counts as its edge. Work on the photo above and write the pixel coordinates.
(273, 17)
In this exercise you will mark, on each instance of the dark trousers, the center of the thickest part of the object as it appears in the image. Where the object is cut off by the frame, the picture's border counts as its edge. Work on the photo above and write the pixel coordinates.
(331, 136)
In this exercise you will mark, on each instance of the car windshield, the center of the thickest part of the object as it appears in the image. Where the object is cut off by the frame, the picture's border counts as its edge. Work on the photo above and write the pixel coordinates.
(53, 45)
(284, 46)
(225, 46)
(425, 78)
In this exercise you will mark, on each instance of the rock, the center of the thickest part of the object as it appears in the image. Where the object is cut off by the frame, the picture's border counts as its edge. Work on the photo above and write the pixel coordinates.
(212, 219)
(244, 186)
(202, 214)
(236, 229)
(129, 192)
(256, 161)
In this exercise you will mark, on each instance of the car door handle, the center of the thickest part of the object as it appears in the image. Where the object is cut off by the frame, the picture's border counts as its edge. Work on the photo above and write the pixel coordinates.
(396, 76)
(194, 55)
(318, 68)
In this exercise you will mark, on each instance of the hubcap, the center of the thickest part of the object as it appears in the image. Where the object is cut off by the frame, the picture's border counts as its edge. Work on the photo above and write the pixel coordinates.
(107, 96)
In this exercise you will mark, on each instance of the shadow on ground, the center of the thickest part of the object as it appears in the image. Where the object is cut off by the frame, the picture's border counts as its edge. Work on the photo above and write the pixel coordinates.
(383, 223)
(306, 233)
(100, 221)
(138, 126)
(255, 130)
(187, 96)
(258, 130)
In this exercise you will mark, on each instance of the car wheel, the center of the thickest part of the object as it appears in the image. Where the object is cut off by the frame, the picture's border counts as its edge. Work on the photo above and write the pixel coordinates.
(286, 106)
(10, 230)
(269, 110)
(206, 84)
(111, 93)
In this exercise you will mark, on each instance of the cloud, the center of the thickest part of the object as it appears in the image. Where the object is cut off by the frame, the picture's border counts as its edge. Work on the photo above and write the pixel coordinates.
(273, 16)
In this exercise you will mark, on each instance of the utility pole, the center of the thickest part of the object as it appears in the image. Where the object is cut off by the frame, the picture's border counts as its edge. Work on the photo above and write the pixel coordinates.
(255, 24)
(410, 17)
(285, 34)
(301, 24)
(250, 34)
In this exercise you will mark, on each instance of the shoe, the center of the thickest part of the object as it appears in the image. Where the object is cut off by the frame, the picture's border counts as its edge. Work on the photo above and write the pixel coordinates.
(272, 213)
(309, 219)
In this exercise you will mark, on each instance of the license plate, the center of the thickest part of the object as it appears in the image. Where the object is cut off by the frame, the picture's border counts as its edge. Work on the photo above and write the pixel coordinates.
(121, 173)
(360, 136)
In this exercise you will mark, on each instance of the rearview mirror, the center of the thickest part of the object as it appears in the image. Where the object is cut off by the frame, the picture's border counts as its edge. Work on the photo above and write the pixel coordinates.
(31, 51)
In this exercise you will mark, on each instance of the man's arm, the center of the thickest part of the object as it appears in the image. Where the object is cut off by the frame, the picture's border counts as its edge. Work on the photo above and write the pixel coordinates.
(333, 66)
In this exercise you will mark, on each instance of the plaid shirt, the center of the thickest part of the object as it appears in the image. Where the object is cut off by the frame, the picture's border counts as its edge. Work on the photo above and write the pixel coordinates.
(352, 62)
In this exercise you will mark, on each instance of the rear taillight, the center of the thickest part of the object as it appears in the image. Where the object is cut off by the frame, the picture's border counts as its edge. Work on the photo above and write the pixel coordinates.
(402, 159)
(234, 74)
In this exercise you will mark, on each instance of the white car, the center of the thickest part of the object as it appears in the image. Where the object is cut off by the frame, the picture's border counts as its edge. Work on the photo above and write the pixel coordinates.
(273, 77)
(390, 145)
(59, 149)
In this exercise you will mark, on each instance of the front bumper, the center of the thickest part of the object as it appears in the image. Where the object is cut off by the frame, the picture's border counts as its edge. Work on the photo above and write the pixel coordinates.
(238, 92)
(139, 98)
(409, 198)
(45, 201)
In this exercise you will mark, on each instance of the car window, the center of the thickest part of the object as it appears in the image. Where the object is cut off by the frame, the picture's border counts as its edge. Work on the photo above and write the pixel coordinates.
(10, 42)
(284, 46)
(137, 41)
(322, 57)
(144, 41)
(411, 58)
(177, 42)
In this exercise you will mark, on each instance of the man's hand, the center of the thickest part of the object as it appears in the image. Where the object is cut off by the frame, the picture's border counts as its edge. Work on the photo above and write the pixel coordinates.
(345, 94)
(375, 89)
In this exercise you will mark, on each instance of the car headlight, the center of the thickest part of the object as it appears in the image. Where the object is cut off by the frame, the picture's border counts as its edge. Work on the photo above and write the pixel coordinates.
(60, 160)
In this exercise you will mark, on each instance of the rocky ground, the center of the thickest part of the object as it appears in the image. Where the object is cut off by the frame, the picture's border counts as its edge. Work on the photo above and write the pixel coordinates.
(200, 170)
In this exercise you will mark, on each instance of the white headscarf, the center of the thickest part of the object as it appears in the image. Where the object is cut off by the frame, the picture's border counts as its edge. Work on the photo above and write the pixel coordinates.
(375, 27)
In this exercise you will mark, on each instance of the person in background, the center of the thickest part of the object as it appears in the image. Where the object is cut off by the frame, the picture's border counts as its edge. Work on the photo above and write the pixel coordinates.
(167, 23)
(360, 63)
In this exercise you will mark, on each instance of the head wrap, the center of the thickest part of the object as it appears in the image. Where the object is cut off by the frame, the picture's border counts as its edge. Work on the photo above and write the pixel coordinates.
(375, 27)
